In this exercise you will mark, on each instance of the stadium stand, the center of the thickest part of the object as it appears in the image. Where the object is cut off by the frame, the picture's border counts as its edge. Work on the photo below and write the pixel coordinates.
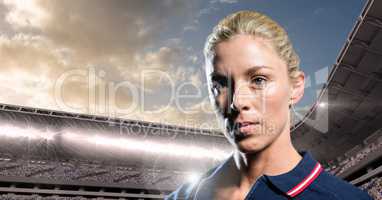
(374, 187)
(46, 154)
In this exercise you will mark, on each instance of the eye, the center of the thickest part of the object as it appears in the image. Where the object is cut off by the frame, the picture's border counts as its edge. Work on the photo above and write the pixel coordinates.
(258, 81)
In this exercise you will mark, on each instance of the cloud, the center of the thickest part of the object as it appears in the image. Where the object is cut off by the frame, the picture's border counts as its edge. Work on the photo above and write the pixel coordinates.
(36, 59)
(115, 42)
(25, 14)
(90, 32)
(191, 27)
(195, 22)
(21, 88)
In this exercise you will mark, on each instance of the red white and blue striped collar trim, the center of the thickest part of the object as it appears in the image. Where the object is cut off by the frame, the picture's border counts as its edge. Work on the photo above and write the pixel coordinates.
(299, 178)
(306, 182)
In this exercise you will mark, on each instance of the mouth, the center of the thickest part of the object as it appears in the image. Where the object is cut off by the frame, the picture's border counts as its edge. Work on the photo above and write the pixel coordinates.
(246, 127)
(243, 129)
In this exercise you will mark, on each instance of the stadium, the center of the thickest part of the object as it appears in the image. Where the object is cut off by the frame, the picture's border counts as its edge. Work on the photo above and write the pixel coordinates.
(50, 154)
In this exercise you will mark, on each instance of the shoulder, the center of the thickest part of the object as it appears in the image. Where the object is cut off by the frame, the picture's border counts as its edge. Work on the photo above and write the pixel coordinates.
(187, 190)
(183, 192)
(338, 189)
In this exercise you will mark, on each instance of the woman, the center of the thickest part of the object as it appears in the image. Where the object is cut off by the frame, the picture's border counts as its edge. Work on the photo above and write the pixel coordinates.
(254, 79)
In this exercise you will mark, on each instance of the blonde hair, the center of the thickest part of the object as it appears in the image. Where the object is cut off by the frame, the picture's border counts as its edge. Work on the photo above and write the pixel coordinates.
(256, 24)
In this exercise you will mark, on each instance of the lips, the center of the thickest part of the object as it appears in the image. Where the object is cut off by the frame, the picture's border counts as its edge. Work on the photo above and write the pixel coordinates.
(247, 127)
(244, 124)
(242, 129)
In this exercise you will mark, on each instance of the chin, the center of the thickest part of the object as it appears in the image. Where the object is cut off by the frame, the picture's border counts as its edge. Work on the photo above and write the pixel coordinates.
(250, 146)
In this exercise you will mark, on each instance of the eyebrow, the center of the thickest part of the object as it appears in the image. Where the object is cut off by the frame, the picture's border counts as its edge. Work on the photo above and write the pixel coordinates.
(249, 71)
(256, 68)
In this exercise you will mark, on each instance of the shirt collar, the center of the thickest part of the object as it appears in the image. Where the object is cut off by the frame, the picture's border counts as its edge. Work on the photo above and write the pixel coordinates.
(300, 177)
(291, 183)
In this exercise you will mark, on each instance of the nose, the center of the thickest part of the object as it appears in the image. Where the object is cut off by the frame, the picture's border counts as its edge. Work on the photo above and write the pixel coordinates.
(241, 98)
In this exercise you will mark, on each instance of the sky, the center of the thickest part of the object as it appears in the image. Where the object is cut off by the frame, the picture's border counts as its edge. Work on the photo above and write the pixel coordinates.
(143, 59)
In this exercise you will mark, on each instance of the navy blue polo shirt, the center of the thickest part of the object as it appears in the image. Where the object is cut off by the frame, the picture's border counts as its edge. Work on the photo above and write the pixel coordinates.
(307, 180)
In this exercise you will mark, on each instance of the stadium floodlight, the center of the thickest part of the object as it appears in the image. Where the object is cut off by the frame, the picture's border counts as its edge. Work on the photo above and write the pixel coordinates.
(148, 146)
(193, 177)
(159, 148)
(29, 133)
(322, 104)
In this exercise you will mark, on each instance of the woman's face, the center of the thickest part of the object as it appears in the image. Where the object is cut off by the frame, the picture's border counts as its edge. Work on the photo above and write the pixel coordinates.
(252, 91)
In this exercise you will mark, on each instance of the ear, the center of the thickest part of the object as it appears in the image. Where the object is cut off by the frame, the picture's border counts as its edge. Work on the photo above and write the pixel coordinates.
(297, 89)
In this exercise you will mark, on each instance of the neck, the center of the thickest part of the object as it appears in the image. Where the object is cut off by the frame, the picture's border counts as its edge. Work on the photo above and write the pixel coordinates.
(277, 158)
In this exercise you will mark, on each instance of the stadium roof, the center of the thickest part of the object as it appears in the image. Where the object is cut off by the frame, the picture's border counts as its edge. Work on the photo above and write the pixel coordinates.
(31, 133)
(349, 108)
